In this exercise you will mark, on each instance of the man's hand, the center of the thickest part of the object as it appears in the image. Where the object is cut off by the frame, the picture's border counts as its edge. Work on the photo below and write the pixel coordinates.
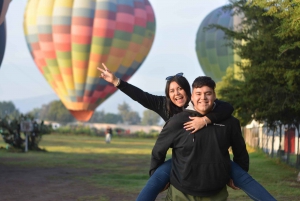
(231, 185)
(166, 187)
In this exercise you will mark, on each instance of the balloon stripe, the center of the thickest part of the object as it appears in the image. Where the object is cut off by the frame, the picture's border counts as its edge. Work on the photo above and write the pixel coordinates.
(61, 20)
(105, 14)
(107, 5)
(44, 24)
(127, 27)
(104, 33)
(32, 40)
(126, 18)
(82, 26)
(104, 24)
(81, 22)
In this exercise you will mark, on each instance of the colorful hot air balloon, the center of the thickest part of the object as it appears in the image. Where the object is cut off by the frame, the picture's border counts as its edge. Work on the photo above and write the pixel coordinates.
(212, 52)
(69, 39)
(3, 9)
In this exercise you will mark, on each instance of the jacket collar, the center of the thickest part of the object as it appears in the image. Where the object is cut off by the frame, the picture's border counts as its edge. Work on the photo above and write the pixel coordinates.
(190, 108)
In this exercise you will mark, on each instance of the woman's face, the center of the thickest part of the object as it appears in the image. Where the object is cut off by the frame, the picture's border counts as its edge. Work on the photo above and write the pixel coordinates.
(177, 94)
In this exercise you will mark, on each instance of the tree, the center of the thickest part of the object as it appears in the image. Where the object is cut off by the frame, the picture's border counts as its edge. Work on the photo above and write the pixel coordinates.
(287, 12)
(112, 118)
(124, 108)
(268, 89)
(102, 117)
(97, 117)
(133, 118)
(230, 90)
(35, 113)
(150, 118)
(128, 116)
(56, 111)
(8, 108)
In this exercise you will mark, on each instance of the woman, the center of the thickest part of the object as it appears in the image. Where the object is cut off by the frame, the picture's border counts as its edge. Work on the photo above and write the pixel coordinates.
(177, 97)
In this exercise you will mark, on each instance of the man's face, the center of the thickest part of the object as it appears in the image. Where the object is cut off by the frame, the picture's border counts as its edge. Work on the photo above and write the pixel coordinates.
(203, 99)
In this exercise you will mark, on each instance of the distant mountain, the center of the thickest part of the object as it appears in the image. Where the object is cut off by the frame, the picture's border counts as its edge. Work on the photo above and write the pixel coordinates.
(26, 105)
(109, 106)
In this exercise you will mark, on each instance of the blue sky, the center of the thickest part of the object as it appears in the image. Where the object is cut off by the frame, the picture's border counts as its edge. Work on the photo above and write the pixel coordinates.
(173, 51)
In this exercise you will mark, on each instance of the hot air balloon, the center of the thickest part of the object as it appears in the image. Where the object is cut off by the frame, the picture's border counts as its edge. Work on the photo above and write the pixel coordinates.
(3, 9)
(69, 39)
(213, 54)
(2, 40)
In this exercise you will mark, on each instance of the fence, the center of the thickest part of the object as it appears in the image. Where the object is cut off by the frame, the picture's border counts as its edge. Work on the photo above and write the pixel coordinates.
(281, 142)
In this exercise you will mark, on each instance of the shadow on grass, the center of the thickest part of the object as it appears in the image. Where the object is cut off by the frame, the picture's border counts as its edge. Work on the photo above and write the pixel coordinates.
(118, 171)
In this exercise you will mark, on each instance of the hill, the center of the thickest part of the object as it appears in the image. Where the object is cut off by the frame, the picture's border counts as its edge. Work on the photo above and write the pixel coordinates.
(110, 105)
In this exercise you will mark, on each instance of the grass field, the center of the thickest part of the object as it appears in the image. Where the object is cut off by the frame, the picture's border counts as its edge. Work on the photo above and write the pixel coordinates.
(123, 165)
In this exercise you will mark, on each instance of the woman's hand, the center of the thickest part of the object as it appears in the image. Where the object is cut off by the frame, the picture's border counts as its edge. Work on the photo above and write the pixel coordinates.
(231, 185)
(166, 187)
(108, 76)
(196, 124)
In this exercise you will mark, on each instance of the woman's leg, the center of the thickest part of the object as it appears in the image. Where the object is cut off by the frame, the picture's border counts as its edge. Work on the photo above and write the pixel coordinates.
(250, 186)
(156, 182)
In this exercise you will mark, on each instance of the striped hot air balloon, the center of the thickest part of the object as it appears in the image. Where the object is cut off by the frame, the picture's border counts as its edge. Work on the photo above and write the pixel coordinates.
(69, 39)
(213, 54)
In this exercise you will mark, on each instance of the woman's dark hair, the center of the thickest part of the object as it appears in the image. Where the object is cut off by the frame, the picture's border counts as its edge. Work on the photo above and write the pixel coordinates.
(185, 85)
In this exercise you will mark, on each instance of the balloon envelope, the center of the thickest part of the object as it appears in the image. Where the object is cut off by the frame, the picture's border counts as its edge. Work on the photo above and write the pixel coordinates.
(213, 54)
(69, 39)
(3, 9)
(2, 41)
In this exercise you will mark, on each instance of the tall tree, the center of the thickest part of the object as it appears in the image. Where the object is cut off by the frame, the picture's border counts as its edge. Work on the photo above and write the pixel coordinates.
(8, 108)
(97, 117)
(268, 89)
(56, 111)
(35, 113)
(287, 12)
(128, 116)
(150, 118)
(111, 118)
(102, 117)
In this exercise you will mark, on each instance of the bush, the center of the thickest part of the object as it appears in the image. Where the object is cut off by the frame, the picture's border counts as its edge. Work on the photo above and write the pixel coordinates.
(14, 136)
(79, 130)
(143, 134)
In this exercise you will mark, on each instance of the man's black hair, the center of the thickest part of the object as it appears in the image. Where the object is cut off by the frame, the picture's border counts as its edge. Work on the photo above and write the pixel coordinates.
(204, 81)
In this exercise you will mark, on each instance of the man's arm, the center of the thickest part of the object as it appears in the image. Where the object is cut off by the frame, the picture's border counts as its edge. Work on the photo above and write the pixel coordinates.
(240, 153)
(222, 111)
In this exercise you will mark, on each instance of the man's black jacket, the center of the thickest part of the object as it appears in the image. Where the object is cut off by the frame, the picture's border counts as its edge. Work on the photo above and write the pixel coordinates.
(200, 161)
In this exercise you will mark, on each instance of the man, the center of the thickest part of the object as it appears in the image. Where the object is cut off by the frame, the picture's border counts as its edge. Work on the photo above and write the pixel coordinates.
(108, 134)
(200, 161)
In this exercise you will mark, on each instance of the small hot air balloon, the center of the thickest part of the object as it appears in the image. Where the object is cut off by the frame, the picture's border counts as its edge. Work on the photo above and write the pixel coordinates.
(3, 9)
(69, 39)
(213, 54)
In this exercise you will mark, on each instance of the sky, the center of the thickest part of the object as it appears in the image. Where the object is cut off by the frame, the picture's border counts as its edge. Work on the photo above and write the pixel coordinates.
(173, 51)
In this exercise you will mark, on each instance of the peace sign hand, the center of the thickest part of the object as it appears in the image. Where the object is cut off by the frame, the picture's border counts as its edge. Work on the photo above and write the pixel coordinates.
(108, 76)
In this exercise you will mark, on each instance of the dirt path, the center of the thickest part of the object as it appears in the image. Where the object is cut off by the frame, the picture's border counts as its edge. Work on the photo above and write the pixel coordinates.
(51, 184)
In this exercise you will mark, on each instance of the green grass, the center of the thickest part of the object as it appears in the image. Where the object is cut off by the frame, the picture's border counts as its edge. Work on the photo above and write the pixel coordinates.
(123, 164)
